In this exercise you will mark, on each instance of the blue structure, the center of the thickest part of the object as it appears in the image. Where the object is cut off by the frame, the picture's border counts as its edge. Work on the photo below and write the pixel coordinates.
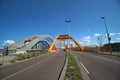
(33, 42)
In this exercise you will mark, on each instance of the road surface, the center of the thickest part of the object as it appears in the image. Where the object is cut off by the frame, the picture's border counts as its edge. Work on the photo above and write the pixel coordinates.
(98, 66)
(45, 67)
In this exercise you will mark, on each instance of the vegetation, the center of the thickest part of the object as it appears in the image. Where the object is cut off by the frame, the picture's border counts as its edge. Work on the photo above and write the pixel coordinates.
(12, 60)
(24, 56)
(21, 57)
(73, 72)
(115, 46)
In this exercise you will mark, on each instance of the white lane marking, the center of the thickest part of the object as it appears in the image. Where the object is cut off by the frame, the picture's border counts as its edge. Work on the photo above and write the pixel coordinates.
(27, 68)
(84, 68)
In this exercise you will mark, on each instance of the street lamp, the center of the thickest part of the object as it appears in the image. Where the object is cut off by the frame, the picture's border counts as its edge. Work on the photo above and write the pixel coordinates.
(68, 22)
(108, 36)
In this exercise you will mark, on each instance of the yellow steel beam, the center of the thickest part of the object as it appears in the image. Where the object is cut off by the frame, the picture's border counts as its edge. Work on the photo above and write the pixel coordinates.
(80, 47)
(52, 45)
(64, 37)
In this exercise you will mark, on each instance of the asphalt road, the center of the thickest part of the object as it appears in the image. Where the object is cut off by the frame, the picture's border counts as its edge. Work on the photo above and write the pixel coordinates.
(99, 67)
(45, 67)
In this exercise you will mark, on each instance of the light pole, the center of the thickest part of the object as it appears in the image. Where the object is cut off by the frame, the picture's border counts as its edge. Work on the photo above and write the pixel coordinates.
(68, 22)
(4, 51)
(108, 36)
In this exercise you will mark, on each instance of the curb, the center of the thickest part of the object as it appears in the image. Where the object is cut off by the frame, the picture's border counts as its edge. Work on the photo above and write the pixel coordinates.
(62, 74)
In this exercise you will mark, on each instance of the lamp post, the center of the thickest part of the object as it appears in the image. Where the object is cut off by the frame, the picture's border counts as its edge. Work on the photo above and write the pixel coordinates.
(3, 56)
(68, 22)
(108, 36)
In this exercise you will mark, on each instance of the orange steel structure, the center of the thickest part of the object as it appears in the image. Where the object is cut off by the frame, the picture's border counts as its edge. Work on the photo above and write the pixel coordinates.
(63, 37)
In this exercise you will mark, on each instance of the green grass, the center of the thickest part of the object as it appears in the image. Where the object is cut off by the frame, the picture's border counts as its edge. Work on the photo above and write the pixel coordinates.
(73, 72)
(12, 61)
(20, 57)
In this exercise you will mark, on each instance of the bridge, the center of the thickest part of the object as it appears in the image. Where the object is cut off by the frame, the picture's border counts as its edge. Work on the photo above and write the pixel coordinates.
(32, 43)
(63, 38)
(41, 42)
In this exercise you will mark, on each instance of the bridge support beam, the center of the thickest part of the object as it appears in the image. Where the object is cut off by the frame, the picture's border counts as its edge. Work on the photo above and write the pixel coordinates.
(63, 37)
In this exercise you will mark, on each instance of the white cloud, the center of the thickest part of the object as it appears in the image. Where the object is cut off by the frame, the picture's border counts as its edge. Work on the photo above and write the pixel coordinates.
(86, 39)
(9, 42)
(113, 34)
(80, 42)
(118, 38)
(97, 34)
(119, 33)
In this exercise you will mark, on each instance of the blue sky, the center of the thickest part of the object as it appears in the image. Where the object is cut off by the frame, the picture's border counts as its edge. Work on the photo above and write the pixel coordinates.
(22, 18)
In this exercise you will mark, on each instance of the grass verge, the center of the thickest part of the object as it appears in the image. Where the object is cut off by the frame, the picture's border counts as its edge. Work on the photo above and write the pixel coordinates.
(73, 72)
(12, 61)
(25, 56)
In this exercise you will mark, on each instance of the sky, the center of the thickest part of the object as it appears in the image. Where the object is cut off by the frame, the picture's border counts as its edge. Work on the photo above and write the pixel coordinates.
(23, 18)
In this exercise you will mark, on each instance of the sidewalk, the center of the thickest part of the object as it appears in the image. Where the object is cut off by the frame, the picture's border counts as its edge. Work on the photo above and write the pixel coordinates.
(4, 60)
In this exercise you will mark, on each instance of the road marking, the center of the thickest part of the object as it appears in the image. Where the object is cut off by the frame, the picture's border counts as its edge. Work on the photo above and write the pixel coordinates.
(27, 68)
(84, 68)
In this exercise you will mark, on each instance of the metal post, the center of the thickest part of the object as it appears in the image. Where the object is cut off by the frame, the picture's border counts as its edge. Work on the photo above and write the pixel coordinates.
(60, 44)
(68, 21)
(64, 43)
(3, 59)
(108, 36)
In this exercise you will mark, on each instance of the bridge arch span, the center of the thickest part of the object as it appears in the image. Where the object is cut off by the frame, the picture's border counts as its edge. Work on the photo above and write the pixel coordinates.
(33, 42)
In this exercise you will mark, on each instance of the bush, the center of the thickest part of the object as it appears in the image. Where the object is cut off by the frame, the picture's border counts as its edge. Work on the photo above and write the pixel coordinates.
(21, 57)
(12, 61)
(24, 56)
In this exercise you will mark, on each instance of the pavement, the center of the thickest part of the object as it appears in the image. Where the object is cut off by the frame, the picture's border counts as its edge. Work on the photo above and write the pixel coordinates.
(45, 67)
(99, 66)
(4, 60)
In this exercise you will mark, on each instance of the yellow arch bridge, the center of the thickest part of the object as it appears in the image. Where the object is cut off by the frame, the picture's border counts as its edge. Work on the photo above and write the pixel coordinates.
(63, 38)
